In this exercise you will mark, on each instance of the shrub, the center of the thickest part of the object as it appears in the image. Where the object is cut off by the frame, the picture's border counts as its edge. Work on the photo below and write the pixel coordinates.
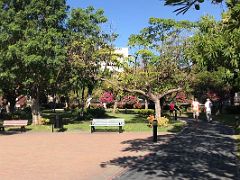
(120, 105)
(150, 119)
(137, 105)
(45, 121)
(96, 112)
(107, 97)
(232, 109)
(129, 101)
(145, 112)
(96, 106)
(163, 121)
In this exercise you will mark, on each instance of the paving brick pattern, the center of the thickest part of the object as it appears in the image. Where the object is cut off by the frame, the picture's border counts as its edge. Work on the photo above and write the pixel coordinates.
(60, 156)
(201, 151)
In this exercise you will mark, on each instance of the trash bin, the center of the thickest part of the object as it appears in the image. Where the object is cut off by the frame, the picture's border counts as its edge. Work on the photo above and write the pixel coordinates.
(58, 122)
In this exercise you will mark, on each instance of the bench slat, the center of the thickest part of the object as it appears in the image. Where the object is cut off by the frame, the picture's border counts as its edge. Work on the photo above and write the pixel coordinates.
(15, 122)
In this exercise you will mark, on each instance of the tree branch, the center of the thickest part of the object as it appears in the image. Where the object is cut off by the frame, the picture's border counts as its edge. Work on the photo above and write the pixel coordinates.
(125, 89)
(136, 91)
(170, 91)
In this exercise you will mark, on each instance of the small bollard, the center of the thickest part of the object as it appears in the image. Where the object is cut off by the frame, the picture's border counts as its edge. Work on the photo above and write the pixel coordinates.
(155, 124)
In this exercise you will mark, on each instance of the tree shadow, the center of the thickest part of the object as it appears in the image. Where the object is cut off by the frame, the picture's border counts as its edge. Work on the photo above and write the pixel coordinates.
(200, 152)
(107, 129)
(13, 130)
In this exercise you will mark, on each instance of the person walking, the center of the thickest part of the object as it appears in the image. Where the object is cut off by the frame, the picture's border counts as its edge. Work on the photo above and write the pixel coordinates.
(171, 108)
(195, 108)
(208, 109)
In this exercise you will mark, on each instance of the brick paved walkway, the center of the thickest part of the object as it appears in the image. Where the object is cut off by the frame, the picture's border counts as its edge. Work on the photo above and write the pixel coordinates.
(70, 156)
(201, 152)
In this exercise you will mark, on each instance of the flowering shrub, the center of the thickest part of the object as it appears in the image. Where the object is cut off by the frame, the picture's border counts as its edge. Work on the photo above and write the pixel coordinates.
(162, 121)
(129, 101)
(107, 97)
(150, 119)
(120, 105)
(213, 96)
(137, 105)
(181, 97)
(45, 121)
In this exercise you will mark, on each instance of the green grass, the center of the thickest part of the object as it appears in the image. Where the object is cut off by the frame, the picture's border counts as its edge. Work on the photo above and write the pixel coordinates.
(237, 138)
(138, 123)
(133, 123)
(230, 120)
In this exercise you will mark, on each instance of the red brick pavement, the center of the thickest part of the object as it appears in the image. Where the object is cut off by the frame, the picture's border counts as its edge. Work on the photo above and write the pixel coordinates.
(60, 156)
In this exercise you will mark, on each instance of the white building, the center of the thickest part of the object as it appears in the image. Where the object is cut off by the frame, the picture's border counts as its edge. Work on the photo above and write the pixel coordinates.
(123, 52)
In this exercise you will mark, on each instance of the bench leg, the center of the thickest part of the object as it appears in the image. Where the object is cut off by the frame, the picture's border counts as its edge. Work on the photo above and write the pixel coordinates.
(92, 129)
(120, 129)
(23, 129)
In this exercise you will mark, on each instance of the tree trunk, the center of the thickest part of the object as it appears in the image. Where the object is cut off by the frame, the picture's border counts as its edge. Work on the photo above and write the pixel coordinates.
(12, 104)
(36, 116)
(146, 103)
(82, 102)
(114, 106)
(157, 108)
(11, 98)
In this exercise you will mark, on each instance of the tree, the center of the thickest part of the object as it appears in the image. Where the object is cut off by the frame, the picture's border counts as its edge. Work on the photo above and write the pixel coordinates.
(12, 29)
(185, 5)
(32, 41)
(215, 56)
(44, 53)
(160, 68)
(89, 48)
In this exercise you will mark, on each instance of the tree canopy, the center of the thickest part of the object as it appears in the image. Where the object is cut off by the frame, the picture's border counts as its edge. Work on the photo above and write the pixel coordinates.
(158, 67)
(185, 5)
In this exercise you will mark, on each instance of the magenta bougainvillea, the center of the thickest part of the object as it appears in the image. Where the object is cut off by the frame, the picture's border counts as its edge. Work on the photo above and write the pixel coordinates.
(181, 97)
(130, 100)
(213, 95)
(107, 97)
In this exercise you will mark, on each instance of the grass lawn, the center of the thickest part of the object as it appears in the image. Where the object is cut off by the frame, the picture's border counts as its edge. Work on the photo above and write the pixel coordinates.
(237, 137)
(133, 123)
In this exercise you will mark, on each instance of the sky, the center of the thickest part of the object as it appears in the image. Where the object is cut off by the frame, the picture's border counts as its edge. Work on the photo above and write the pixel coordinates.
(128, 17)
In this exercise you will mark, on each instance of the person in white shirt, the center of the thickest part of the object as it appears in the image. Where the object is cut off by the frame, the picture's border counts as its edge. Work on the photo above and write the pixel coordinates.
(208, 109)
(195, 108)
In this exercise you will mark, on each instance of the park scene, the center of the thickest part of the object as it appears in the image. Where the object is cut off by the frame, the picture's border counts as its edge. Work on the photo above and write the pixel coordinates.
(81, 100)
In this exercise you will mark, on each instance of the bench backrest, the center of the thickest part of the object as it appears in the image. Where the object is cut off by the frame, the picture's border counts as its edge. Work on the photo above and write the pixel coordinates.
(15, 122)
(108, 122)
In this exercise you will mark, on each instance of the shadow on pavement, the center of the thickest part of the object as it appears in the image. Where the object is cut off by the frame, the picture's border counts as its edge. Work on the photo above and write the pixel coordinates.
(12, 131)
(202, 151)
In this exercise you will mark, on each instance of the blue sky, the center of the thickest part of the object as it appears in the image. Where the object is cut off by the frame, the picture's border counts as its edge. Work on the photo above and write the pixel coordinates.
(130, 16)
